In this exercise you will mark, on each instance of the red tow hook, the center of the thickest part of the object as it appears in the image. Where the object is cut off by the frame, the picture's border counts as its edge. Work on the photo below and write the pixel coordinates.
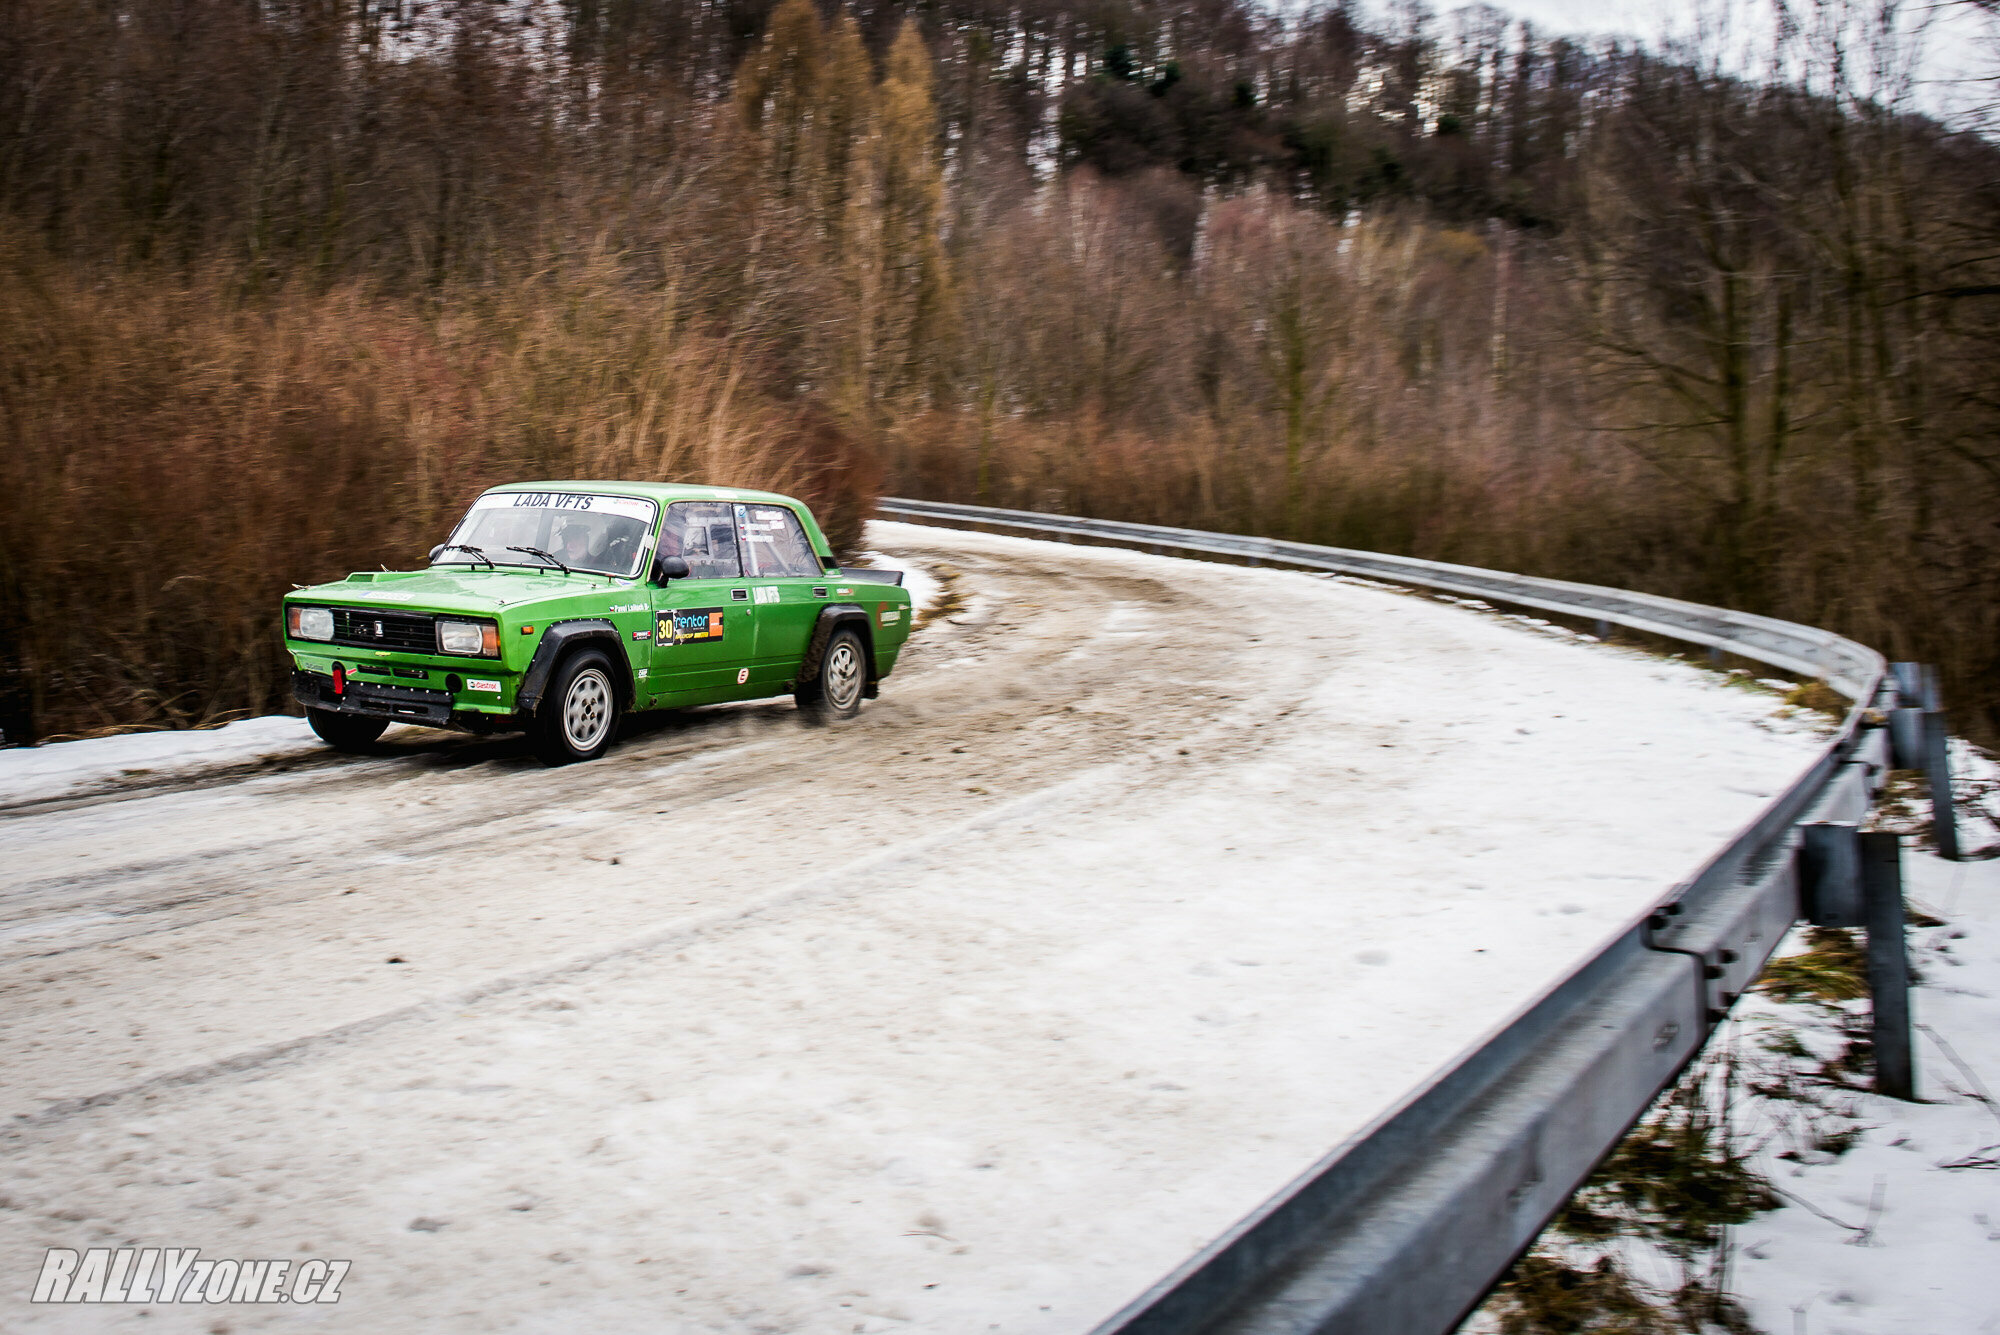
(339, 679)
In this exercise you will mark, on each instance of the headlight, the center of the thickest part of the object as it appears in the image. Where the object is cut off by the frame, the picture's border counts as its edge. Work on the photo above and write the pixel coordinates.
(480, 638)
(309, 623)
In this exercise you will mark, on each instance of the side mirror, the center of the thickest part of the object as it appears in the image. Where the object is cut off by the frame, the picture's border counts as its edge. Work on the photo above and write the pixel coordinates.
(669, 567)
(434, 552)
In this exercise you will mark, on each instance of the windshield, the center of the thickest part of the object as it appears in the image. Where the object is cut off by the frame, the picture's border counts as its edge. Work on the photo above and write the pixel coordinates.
(582, 530)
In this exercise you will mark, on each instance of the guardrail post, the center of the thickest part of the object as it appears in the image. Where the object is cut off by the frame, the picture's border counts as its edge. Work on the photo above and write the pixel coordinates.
(1920, 739)
(1888, 964)
(1909, 684)
(1937, 769)
(1906, 738)
(1830, 874)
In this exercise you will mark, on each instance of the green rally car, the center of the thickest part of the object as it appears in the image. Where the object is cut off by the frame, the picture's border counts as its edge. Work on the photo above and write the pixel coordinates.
(556, 606)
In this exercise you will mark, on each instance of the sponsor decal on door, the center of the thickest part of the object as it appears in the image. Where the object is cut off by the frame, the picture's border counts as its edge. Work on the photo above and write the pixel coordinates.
(689, 625)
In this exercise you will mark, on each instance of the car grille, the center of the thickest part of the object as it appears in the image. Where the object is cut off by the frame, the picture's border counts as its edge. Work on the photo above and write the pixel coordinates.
(384, 630)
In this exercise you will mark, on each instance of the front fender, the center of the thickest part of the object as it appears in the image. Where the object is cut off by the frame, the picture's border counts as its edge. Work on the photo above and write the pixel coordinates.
(557, 641)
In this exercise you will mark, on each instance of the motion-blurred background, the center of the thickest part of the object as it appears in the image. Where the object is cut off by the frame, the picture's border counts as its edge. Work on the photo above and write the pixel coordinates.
(283, 283)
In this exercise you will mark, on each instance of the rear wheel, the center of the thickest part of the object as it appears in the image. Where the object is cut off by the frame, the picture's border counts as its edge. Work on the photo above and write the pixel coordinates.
(346, 732)
(578, 716)
(843, 673)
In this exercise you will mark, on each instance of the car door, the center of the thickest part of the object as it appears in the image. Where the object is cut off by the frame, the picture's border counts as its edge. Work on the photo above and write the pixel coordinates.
(787, 587)
(704, 636)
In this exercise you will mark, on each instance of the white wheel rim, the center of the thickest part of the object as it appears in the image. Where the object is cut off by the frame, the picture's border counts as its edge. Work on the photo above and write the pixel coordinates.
(843, 675)
(587, 709)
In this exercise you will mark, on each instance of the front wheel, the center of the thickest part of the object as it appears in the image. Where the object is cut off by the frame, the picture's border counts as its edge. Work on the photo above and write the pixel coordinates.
(355, 733)
(836, 692)
(579, 713)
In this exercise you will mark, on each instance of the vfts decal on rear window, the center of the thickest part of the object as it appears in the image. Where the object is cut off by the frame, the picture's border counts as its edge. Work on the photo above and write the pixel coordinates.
(689, 625)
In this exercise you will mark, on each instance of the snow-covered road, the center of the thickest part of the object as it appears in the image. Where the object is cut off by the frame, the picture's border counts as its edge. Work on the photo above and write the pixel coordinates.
(1143, 883)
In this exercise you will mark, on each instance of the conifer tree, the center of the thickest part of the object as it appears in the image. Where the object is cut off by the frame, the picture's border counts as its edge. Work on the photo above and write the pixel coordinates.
(846, 111)
(776, 88)
(909, 200)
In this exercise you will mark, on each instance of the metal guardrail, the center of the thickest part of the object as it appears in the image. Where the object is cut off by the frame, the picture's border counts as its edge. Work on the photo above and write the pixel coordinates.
(1404, 1227)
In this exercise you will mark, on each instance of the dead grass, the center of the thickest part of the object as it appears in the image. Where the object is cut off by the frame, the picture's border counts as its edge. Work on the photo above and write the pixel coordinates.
(1819, 697)
(177, 456)
(1832, 969)
(1678, 1178)
(1677, 1182)
(1546, 1295)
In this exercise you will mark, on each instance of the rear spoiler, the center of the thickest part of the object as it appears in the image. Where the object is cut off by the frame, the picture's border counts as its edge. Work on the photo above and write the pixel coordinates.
(870, 575)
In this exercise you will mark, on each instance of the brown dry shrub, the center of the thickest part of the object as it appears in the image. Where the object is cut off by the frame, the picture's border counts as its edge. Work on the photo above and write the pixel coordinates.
(838, 474)
(177, 456)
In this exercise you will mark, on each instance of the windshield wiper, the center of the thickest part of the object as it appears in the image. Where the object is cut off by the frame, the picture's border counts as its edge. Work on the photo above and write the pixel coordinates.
(461, 547)
(536, 551)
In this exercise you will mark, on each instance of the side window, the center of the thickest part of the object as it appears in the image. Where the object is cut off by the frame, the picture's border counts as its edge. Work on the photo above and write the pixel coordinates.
(703, 533)
(778, 545)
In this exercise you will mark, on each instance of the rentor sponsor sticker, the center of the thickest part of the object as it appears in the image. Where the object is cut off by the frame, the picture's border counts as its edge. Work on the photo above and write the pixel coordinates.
(890, 614)
(689, 625)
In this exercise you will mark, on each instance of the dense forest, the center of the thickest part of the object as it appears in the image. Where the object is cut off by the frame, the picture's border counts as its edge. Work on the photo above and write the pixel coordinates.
(284, 282)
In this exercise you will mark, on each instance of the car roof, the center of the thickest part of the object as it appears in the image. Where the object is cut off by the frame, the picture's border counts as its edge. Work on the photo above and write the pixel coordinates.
(665, 492)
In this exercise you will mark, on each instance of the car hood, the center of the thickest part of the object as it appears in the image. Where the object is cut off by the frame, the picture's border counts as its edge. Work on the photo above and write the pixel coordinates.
(454, 591)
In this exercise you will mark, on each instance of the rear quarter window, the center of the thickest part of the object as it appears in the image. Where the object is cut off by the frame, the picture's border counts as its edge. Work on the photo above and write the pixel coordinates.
(776, 543)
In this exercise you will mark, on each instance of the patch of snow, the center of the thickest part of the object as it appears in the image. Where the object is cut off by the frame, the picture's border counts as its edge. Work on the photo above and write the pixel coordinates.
(1894, 1232)
(1914, 1246)
(924, 587)
(32, 773)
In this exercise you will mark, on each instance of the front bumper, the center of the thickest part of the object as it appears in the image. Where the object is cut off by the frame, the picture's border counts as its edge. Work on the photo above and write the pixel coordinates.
(405, 704)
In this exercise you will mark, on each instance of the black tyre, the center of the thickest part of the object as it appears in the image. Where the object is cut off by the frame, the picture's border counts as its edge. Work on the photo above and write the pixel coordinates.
(346, 732)
(578, 716)
(843, 675)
